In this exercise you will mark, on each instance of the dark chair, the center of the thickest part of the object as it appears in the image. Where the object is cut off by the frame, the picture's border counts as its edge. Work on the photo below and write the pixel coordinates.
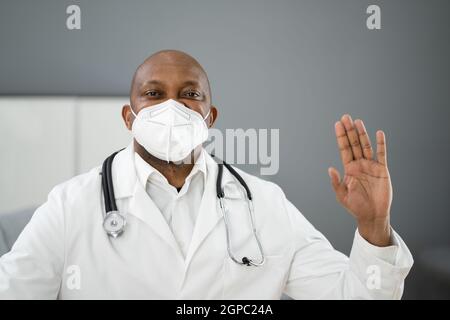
(11, 225)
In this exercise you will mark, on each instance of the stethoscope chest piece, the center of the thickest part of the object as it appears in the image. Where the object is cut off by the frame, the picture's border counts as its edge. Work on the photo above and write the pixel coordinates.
(114, 223)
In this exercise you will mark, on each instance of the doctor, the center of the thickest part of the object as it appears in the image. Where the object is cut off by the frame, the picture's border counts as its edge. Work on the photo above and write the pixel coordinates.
(170, 239)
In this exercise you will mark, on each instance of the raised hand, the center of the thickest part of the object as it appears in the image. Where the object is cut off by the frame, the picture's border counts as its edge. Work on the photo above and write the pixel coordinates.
(366, 189)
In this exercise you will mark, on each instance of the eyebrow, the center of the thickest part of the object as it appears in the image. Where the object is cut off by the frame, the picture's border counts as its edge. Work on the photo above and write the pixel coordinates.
(191, 83)
(151, 82)
(157, 82)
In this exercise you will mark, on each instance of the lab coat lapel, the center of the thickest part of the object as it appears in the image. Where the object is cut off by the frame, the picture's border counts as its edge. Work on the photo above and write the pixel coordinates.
(143, 207)
(127, 185)
(209, 214)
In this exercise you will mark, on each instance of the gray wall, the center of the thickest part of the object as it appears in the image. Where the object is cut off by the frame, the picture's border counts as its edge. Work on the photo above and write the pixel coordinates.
(293, 65)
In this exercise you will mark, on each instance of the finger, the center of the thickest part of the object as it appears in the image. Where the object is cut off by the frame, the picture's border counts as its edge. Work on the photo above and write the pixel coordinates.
(364, 139)
(335, 178)
(343, 143)
(381, 147)
(352, 136)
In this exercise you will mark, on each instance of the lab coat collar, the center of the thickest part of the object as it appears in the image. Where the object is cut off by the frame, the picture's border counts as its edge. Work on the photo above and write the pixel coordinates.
(124, 173)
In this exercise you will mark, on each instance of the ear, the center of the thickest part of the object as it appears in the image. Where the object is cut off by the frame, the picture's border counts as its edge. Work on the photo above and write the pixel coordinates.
(213, 114)
(127, 116)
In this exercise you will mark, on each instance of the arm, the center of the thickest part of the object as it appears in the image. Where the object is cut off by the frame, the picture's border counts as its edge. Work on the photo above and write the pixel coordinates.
(320, 272)
(32, 269)
(379, 260)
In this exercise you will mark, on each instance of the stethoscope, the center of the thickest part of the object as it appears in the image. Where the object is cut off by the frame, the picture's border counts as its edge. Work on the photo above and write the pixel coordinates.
(114, 222)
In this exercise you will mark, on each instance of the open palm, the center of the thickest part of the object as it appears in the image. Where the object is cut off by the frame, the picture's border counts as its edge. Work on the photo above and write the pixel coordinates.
(366, 190)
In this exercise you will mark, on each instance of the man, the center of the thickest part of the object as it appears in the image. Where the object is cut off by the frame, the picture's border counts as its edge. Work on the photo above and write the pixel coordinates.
(176, 244)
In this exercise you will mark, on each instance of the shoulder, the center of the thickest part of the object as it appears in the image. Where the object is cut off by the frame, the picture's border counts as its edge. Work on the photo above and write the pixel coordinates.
(76, 187)
(272, 196)
(263, 186)
(259, 188)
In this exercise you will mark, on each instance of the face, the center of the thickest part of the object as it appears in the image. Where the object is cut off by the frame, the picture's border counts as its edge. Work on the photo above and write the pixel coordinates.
(158, 80)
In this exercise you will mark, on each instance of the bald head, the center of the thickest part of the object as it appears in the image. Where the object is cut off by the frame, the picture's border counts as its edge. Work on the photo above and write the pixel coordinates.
(169, 74)
(171, 65)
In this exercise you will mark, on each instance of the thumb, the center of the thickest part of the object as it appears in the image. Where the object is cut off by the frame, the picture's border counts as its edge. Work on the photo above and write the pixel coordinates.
(335, 178)
(338, 187)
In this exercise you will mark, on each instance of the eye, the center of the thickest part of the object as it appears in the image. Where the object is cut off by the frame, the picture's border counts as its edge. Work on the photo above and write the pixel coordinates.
(151, 93)
(192, 94)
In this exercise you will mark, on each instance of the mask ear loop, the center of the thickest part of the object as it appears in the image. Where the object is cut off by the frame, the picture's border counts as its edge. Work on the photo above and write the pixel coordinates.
(207, 115)
(134, 114)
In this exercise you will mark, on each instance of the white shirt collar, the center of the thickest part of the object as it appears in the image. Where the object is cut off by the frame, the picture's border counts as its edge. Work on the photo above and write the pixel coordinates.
(146, 172)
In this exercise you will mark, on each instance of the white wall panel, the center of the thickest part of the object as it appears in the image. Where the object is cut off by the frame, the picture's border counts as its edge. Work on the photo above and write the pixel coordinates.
(47, 140)
(101, 130)
(36, 148)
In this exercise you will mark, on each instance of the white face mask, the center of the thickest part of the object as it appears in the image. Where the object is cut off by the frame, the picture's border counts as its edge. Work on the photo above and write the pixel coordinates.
(169, 130)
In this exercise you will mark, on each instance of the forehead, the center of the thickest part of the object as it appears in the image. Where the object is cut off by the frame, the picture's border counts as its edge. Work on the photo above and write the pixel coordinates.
(170, 73)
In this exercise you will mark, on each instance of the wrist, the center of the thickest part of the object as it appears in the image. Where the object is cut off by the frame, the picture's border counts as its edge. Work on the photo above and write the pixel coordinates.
(376, 232)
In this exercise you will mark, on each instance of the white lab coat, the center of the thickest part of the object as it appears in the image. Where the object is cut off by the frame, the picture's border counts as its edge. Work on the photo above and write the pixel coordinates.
(64, 252)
